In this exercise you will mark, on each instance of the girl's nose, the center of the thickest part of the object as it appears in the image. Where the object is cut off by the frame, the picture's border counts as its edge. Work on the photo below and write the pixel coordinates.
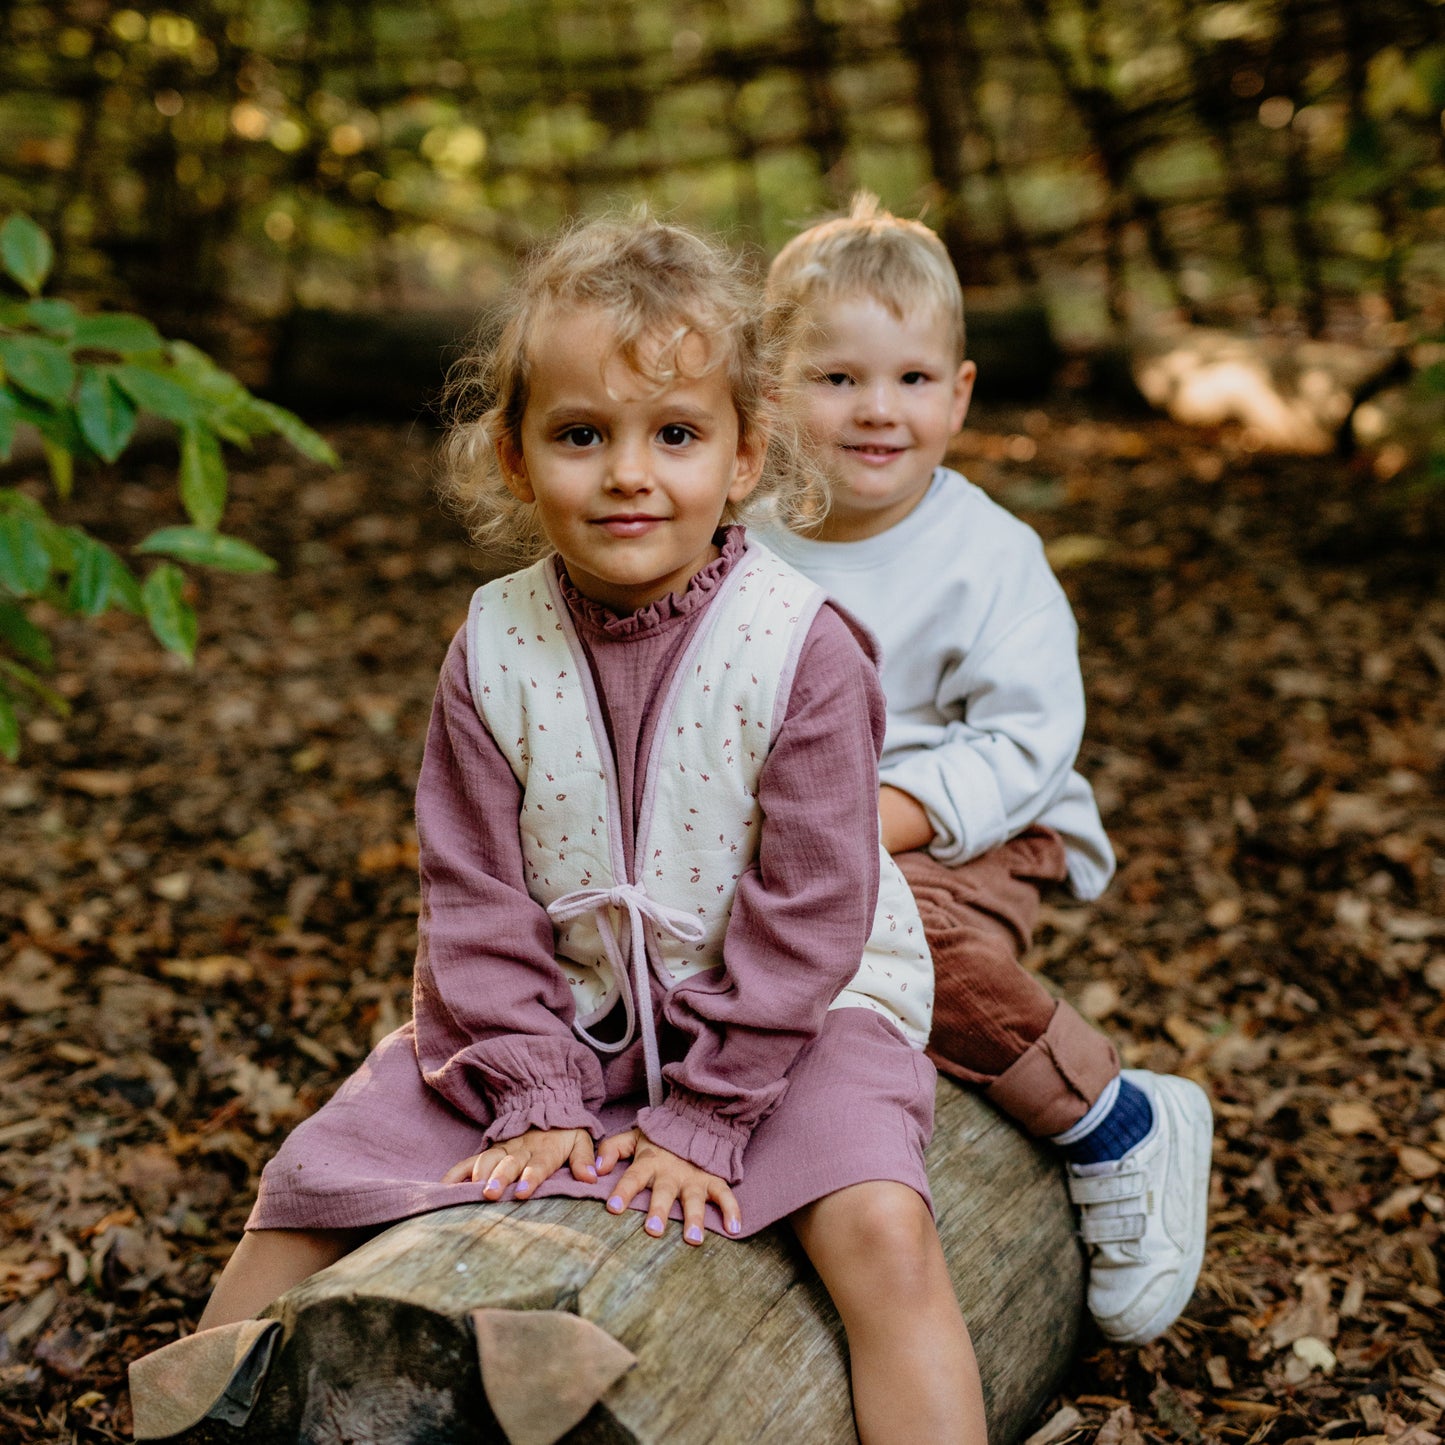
(628, 470)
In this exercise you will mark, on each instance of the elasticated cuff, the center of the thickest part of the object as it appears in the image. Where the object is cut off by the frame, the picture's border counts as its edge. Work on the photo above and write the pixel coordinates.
(687, 1127)
(543, 1108)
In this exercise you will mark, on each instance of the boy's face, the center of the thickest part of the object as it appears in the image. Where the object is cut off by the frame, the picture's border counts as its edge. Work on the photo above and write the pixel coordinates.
(881, 398)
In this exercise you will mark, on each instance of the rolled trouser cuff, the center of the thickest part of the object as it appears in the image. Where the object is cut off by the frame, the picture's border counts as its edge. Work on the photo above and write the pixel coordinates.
(1055, 1081)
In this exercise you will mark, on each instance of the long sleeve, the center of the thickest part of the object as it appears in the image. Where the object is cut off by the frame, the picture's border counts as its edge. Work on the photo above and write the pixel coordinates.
(801, 916)
(1016, 720)
(981, 671)
(493, 1010)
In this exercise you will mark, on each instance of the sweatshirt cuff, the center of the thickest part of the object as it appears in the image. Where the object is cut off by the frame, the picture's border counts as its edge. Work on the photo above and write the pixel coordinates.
(964, 805)
(687, 1127)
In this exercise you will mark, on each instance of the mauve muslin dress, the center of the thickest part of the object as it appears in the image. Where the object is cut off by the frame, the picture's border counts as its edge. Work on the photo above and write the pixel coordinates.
(764, 1085)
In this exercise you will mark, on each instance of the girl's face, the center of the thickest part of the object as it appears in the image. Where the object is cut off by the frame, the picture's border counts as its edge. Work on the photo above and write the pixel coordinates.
(630, 481)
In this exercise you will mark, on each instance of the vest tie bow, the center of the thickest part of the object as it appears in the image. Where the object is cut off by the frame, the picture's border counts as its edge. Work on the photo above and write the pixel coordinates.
(636, 991)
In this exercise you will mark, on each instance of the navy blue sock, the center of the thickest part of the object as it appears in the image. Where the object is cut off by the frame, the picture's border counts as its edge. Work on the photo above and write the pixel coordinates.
(1124, 1126)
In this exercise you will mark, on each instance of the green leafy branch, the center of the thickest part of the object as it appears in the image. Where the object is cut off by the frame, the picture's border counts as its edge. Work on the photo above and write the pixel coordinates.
(82, 382)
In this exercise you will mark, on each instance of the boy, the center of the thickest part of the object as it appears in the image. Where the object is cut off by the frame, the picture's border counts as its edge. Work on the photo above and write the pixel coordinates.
(979, 799)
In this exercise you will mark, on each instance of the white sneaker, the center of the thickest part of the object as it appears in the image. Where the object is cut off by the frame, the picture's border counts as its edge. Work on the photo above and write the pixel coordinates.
(1143, 1216)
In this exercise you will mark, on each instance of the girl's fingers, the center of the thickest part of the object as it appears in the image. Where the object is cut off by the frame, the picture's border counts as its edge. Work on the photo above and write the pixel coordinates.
(619, 1146)
(496, 1169)
(636, 1179)
(581, 1161)
(461, 1171)
(694, 1210)
(664, 1192)
(727, 1205)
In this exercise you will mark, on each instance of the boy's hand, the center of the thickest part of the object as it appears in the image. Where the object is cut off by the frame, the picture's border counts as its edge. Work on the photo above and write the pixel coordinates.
(670, 1178)
(529, 1159)
(904, 821)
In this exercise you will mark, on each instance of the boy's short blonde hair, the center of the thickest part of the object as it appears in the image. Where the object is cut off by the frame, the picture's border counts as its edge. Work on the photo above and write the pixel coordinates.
(661, 286)
(900, 264)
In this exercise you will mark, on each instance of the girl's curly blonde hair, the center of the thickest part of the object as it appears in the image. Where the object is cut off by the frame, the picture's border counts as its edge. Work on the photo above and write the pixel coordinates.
(660, 285)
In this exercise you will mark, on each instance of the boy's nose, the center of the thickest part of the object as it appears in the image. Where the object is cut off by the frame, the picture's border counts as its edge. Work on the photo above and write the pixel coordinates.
(875, 403)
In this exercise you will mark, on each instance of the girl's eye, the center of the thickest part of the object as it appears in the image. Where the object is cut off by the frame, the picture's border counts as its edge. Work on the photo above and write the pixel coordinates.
(580, 436)
(675, 435)
(835, 378)
(914, 378)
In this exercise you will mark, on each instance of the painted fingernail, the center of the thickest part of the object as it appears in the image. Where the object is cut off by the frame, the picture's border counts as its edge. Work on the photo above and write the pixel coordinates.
(693, 1234)
(654, 1224)
(492, 1186)
(615, 1204)
(734, 1226)
(589, 1173)
(524, 1188)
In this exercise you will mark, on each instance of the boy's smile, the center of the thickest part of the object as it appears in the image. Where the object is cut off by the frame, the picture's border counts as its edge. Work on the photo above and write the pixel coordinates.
(882, 396)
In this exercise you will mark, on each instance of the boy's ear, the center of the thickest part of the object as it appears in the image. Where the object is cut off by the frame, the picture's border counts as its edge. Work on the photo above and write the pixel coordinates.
(514, 469)
(748, 467)
(962, 394)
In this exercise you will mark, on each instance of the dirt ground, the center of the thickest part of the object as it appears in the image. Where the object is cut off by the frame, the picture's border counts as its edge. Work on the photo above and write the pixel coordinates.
(208, 905)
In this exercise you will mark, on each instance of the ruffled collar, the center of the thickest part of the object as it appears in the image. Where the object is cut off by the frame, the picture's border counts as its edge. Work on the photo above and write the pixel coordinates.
(731, 542)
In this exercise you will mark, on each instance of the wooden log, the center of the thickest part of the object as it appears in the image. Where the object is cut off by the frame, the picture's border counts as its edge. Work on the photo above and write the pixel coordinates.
(733, 1343)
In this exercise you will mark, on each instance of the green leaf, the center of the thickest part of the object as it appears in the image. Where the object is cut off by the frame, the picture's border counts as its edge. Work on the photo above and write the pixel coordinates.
(98, 578)
(23, 675)
(61, 461)
(8, 412)
(204, 379)
(158, 392)
(117, 331)
(312, 445)
(207, 549)
(25, 252)
(106, 413)
(89, 592)
(38, 365)
(9, 728)
(24, 558)
(203, 477)
(23, 635)
(171, 617)
(56, 318)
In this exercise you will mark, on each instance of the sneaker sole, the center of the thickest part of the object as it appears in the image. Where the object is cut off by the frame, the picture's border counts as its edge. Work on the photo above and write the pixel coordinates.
(1194, 1106)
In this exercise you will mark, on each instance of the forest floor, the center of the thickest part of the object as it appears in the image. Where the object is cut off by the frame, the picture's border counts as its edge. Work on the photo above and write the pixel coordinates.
(208, 904)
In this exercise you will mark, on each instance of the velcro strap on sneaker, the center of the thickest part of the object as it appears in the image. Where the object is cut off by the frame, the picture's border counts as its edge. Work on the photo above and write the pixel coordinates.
(1111, 1229)
(1105, 1188)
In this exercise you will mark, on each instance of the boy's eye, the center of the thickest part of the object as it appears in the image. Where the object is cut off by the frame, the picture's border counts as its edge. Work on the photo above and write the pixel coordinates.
(834, 378)
(914, 378)
(580, 436)
(675, 435)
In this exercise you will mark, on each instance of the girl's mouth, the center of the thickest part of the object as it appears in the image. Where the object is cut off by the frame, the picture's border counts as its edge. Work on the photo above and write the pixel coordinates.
(628, 525)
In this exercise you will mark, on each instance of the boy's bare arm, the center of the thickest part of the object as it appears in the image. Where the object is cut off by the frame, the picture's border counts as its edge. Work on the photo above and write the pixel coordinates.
(904, 821)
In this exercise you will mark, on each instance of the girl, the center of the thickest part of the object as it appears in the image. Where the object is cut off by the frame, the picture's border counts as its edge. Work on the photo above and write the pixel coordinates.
(646, 919)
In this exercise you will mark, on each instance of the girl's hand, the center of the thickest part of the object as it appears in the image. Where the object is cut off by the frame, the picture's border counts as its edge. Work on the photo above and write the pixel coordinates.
(529, 1159)
(670, 1178)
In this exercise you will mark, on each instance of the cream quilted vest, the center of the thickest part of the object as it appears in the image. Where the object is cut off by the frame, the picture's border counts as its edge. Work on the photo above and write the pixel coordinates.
(700, 819)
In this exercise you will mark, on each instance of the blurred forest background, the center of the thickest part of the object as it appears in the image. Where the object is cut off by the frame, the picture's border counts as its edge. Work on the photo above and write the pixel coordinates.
(1247, 161)
(208, 892)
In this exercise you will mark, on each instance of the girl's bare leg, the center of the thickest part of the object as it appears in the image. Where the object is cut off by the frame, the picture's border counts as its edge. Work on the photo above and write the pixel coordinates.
(914, 1373)
(267, 1263)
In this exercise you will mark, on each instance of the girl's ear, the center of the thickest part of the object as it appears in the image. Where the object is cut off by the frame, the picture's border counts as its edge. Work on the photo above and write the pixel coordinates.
(748, 466)
(514, 469)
